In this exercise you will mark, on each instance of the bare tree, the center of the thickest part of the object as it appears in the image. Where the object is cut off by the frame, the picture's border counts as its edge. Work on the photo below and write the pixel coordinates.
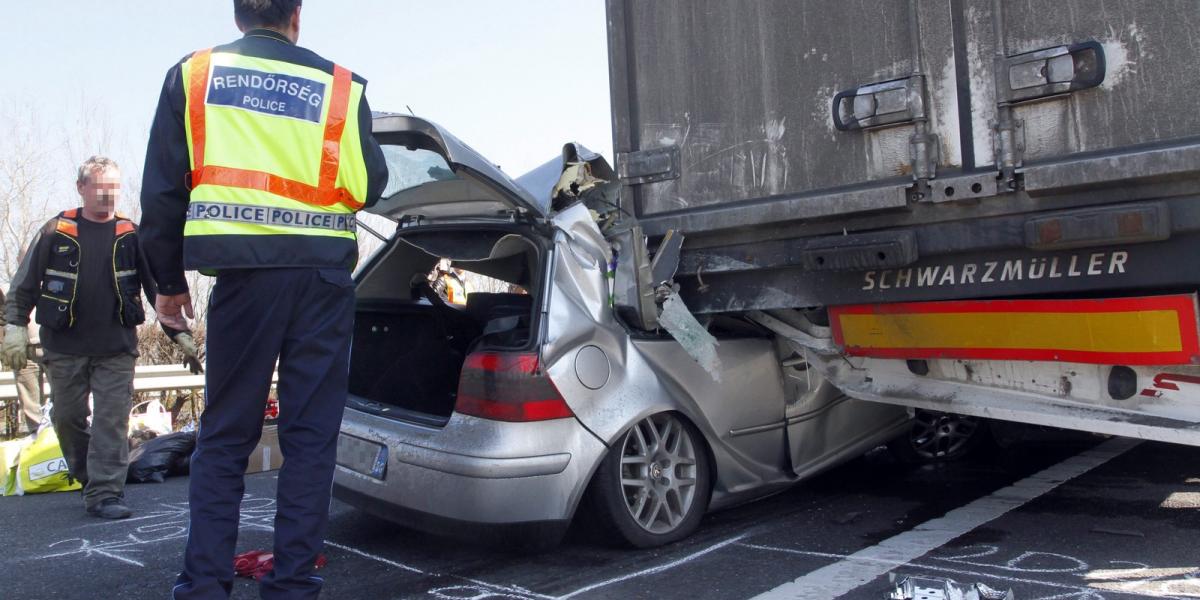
(27, 190)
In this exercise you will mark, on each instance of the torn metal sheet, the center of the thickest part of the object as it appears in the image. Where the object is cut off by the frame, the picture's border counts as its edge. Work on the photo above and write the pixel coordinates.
(694, 337)
(577, 223)
(937, 588)
(576, 179)
(793, 334)
(666, 258)
(633, 290)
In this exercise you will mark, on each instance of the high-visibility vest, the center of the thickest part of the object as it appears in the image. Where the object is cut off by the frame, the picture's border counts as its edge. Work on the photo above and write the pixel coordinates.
(56, 302)
(275, 151)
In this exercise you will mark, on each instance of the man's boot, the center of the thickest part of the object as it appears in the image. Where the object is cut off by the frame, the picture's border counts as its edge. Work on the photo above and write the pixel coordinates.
(110, 508)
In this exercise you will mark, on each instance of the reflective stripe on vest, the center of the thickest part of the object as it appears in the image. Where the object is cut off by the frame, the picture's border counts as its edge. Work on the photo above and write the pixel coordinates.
(262, 215)
(323, 194)
(67, 224)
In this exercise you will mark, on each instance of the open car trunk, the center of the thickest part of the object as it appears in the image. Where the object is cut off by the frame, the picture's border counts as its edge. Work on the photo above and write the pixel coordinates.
(410, 339)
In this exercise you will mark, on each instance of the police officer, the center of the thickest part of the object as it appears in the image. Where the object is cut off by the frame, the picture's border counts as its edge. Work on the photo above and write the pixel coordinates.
(259, 156)
(84, 273)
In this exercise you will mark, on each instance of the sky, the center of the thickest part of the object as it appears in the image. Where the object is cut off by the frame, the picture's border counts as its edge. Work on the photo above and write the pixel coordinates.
(515, 80)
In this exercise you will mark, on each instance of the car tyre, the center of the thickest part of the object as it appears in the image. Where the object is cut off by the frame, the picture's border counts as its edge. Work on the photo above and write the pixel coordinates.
(936, 437)
(654, 485)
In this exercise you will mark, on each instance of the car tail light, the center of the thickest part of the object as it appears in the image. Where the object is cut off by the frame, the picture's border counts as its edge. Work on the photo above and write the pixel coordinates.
(508, 386)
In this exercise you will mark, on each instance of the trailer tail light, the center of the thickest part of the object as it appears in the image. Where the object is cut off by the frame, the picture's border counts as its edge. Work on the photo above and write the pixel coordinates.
(508, 386)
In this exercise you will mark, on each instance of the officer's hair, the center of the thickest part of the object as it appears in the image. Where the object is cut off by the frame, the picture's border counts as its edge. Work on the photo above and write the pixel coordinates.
(263, 13)
(93, 164)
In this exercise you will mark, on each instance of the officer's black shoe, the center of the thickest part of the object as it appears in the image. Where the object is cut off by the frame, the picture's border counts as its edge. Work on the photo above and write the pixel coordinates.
(110, 508)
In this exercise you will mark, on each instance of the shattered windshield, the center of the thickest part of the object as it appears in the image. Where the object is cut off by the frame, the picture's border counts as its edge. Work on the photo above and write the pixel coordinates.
(411, 168)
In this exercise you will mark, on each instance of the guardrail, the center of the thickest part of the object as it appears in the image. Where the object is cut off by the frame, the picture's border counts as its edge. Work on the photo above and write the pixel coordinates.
(147, 379)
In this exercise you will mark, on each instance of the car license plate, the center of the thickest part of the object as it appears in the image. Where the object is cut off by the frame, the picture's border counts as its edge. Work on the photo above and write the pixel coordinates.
(362, 456)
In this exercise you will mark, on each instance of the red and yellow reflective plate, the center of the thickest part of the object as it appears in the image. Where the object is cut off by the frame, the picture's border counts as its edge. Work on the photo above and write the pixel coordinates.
(1152, 330)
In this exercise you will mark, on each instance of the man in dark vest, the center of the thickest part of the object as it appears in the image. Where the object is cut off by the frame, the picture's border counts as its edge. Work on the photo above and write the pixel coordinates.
(259, 157)
(85, 273)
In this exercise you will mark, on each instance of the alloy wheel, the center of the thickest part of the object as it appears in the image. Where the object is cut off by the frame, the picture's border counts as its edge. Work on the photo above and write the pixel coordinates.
(658, 473)
(941, 435)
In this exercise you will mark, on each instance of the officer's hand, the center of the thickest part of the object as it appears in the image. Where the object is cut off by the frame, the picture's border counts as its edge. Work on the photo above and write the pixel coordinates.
(13, 350)
(191, 353)
(172, 309)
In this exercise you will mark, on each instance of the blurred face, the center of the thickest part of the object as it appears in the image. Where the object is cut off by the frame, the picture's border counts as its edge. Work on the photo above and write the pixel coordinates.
(100, 193)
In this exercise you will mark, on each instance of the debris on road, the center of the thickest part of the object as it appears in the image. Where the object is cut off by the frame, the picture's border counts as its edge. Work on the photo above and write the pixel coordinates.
(937, 588)
(257, 563)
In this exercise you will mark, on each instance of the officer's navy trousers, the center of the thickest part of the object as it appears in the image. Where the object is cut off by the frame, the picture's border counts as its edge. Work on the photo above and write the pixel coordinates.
(303, 318)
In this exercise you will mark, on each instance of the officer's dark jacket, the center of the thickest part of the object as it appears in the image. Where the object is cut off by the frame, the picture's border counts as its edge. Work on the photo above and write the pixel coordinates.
(49, 272)
(165, 193)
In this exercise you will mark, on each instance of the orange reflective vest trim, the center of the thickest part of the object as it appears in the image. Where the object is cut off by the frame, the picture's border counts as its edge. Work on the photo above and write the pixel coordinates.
(322, 194)
(66, 223)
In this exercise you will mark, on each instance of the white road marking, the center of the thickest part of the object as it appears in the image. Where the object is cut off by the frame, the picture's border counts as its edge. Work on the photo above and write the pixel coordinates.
(940, 568)
(835, 580)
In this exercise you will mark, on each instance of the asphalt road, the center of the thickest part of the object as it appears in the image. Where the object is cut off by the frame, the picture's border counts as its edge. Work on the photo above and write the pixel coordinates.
(1085, 521)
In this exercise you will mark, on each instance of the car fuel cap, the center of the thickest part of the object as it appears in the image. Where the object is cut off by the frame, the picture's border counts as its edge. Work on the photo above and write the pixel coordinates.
(592, 368)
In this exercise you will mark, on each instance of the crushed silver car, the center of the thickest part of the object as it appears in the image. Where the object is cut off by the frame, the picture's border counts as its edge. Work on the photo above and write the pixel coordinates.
(582, 388)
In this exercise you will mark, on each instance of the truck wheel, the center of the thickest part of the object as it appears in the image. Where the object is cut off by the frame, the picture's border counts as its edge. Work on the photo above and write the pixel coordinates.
(653, 487)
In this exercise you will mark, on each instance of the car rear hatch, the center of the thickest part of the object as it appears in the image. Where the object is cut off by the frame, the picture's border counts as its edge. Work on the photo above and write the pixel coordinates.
(454, 297)
(434, 175)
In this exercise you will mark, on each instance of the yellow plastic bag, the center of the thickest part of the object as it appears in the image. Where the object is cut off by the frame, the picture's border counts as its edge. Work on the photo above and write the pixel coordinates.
(42, 468)
(10, 452)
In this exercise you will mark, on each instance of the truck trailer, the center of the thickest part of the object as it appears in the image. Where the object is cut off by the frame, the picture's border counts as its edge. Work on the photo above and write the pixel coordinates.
(982, 207)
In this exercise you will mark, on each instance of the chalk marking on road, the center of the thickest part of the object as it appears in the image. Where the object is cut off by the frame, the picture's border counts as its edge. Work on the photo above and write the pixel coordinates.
(386, 561)
(892, 564)
(412, 569)
(1077, 565)
(658, 569)
(256, 514)
(107, 550)
(862, 567)
(458, 592)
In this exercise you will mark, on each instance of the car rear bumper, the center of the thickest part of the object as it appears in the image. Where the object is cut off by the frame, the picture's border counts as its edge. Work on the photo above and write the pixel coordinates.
(471, 471)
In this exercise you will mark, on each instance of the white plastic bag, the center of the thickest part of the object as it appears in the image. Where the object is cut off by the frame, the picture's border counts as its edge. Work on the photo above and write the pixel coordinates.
(152, 416)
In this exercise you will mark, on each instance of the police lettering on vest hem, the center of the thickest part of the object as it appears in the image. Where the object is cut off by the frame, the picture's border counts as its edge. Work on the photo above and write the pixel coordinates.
(262, 215)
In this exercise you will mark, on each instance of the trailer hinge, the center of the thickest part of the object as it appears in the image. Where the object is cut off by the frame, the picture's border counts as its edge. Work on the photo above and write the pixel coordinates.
(648, 166)
(1008, 145)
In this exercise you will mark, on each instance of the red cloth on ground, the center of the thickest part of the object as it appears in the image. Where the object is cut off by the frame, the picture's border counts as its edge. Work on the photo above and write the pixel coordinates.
(257, 563)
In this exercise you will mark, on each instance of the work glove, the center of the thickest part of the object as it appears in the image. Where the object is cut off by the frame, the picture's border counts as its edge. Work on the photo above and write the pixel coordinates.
(191, 353)
(14, 350)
